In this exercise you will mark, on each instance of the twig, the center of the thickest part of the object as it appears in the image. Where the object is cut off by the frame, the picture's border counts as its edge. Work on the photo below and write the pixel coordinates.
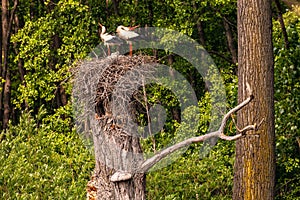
(148, 116)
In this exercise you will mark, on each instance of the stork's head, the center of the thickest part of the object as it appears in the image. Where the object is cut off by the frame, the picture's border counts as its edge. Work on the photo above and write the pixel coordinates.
(126, 28)
(103, 29)
(120, 28)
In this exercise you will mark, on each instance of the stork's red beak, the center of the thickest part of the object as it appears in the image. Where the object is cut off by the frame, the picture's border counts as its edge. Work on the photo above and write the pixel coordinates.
(134, 27)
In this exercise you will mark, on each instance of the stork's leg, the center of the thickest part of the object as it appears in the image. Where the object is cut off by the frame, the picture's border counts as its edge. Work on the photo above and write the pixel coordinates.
(108, 50)
(130, 49)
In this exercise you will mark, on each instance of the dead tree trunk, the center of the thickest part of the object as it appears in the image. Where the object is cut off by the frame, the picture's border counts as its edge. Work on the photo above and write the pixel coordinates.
(117, 150)
(255, 155)
(124, 145)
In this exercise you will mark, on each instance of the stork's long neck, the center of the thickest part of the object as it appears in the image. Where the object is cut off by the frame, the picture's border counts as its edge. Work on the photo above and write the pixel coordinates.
(103, 30)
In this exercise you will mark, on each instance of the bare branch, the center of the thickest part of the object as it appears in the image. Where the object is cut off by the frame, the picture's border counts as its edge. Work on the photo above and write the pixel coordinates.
(147, 164)
(246, 128)
(230, 138)
(235, 109)
(148, 115)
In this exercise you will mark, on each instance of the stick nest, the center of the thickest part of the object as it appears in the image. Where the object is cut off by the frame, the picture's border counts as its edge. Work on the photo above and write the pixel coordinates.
(96, 81)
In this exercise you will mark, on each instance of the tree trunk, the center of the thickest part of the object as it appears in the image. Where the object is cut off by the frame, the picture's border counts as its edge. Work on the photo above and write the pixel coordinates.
(116, 7)
(1, 66)
(201, 33)
(63, 95)
(116, 141)
(280, 19)
(254, 176)
(21, 69)
(151, 12)
(230, 41)
(115, 150)
(4, 45)
(199, 25)
(6, 100)
(6, 18)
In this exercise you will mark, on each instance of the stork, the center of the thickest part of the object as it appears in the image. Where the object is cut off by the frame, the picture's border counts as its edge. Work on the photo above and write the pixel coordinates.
(108, 39)
(127, 33)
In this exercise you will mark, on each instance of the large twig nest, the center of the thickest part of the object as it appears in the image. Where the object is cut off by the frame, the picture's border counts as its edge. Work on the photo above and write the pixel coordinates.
(95, 85)
(111, 76)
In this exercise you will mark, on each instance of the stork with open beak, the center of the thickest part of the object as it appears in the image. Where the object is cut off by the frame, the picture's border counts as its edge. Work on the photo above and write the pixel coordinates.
(108, 39)
(127, 33)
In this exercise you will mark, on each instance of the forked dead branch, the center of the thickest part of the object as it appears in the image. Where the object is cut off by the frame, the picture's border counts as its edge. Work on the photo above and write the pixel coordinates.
(147, 164)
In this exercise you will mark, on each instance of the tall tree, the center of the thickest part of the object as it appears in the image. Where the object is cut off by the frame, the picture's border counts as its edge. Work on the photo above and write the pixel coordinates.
(7, 17)
(230, 40)
(255, 162)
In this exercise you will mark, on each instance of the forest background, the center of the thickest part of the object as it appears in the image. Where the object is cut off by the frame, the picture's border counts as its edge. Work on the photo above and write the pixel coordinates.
(42, 155)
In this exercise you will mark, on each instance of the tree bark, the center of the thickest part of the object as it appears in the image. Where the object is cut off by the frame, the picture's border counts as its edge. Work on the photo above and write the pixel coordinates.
(254, 168)
(6, 100)
(151, 12)
(230, 41)
(280, 19)
(7, 18)
(63, 95)
(21, 69)
(201, 33)
(199, 25)
(1, 63)
(4, 53)
(116, 7)
(116, 150)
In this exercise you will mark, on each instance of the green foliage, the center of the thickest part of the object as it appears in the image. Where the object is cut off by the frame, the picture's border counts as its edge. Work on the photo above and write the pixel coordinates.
(287, 104)
(42, 157)
(40, 161)
(49, 46)
(157, 94)
(190, 176)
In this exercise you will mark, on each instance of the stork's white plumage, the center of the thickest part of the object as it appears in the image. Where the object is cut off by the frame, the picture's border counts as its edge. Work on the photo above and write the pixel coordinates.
(127, 33)
(108, 39)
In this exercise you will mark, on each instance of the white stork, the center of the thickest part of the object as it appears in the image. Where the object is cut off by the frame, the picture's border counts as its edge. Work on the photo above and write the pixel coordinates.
(108, 39)
(127, 33)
